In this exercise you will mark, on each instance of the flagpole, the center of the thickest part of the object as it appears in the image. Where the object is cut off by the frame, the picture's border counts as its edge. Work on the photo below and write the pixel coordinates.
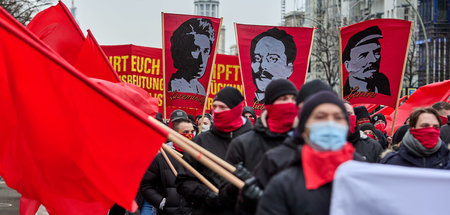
(168, 162)
(240, 65)
(401, 80)
(309, 55)
(190, 168)
(164, 69)
(211, 74)
(340, 64)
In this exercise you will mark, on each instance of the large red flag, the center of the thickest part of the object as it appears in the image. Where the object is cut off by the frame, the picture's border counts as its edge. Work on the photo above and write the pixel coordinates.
(425, 96)
(67, 141)
(57, 28)
(189, 48)
(93, 62)
(373, 57)
(267, 53)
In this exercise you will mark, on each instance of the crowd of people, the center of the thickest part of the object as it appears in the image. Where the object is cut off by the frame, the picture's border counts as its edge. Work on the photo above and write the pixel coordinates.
(288, 155)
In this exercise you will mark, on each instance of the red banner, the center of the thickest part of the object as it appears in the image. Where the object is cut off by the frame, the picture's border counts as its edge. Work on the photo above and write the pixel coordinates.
(189, 47)
(373, 56)
(267, 53)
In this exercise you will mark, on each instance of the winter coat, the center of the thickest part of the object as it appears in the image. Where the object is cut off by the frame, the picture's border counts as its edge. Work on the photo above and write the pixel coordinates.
(402, 157)
(445, 133)
(382, 139)
(159, 183)
(203, 199)
(286, 194)
(365, 146)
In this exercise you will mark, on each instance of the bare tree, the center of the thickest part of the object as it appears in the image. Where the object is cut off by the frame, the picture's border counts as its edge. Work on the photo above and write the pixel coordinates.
(24, 10)
(410, 78)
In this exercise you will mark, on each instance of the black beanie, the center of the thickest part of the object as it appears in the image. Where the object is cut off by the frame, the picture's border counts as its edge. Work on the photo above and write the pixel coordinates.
(367, 126)
(399, 134)
(277, 88)
(378, 116)
(248, 109)
(361, 112)
(311, 88)
(230, 96)
(315, 100)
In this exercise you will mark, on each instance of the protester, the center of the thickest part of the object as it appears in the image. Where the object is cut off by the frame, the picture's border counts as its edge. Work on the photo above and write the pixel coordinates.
(205, 124)
(249, 112)
(362, 116)
(277, 159)
(228, 124)
(421, 145)
(364, 145)
(379, 121)
(270, 130)
(369, 130)
(158, 185)
(443, 109)
(305, 187)
(445, 132)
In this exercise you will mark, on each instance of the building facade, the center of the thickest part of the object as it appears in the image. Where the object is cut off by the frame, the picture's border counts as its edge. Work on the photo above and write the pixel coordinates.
(211, 8)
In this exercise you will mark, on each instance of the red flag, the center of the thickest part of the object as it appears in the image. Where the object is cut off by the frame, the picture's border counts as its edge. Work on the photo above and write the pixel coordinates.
(93, 62)
(373, 56)
(386, 110)
(425, 96)
(65, 140)
(271, 52)
(57, 28)
(189, 48)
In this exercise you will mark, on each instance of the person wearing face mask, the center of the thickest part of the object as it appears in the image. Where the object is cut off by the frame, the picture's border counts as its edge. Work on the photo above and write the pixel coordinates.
(379, 122)
(443, 108)
(228, 124)
(362, 116)
(421, 145)
(305, 187)
(270, 130)
(249, 112)
(158, 184)
(364, 145)
(205, 124)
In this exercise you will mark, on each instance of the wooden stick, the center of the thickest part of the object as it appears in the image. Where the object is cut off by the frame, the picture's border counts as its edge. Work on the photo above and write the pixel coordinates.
(164, 69)
(340, 64)
(309, 55)
(240, 65)
(168, 162)
(191, 169)
(198, 148)
(178, 154)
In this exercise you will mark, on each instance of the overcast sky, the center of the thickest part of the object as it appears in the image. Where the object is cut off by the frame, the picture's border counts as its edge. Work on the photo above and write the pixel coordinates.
(115, 22)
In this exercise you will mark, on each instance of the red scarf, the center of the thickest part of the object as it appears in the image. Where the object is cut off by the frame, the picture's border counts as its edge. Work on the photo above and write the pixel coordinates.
(280, 117)
(381, 127)
(444, 120)
(229, 120)
(362, 122)
(189, 136)
(428, 137)
(319, 166)
(352, 123)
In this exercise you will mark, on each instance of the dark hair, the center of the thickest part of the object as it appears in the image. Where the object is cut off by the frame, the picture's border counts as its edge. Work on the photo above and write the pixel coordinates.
(414, 116)
(290, 49)
(441, 106)
(353, 41)
(178, 122)
(182, 43)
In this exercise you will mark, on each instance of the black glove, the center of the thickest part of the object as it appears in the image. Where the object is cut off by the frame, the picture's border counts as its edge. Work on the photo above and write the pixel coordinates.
(242, 172)
(211, 198)
(251, 191)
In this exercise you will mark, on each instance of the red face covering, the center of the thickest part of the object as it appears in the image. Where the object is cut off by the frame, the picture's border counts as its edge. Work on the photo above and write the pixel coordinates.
(380, 127)
(352, 123)
(189, 136)
(362, 122)
(428, 137)
(229, 120)
(444, 120)
(319, 166)
(371, 136)
(281, 117)
(252, 120)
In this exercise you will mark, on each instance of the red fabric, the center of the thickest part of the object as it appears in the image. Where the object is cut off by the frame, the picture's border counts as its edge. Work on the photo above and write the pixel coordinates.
(188, 136)
(61, 129)
(381, 127)
(280, 117)
(252, 120)
(92, 61)
(371, 136)
(230, 120)
(28, 206)
(319, 166)
(428, 137)
(444, 120)
(58, 29)
(362, 122)
(352, 123)
(425, 96)
(394, 44)
(302, 38)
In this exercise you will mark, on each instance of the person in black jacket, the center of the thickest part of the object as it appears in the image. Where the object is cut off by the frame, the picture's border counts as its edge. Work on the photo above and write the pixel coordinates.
(158, 185)
(249, 112)
(362, 116)
(305, 187)
(445, 132)
(379, 121)
(421, 145)
(228, 124)
(270, 130)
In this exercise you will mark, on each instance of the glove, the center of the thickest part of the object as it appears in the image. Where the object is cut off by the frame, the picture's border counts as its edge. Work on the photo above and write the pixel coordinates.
(251, 191)
(211, 198)
(242, 172)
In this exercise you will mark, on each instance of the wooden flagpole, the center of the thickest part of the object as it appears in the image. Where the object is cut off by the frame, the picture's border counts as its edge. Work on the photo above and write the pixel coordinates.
(240, 65)
(190, 168)
(168, 162)
(164, 69)
(309, 55)
(340, 65)
(401, 80)
(211, 75)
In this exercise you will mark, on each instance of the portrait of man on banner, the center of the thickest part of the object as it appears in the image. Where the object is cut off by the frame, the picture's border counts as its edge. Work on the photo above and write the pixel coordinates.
(361, 58)
(272, 54)
(191, 46)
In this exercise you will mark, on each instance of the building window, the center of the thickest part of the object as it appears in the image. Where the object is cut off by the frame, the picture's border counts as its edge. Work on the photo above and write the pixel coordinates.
(406, 13)
(202, 10)
(213, 10)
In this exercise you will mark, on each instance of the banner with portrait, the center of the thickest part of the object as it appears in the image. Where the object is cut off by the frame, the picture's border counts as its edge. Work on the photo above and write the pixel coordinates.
(267, 53)
(189, 47)
(373, 58)
(138, 65)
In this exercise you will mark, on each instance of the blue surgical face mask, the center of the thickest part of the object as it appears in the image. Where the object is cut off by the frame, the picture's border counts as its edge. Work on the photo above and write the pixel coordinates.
(328, 136)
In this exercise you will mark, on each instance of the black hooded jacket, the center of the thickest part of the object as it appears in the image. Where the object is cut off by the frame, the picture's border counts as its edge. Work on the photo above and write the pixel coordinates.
(365, 146)
(204, 200)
